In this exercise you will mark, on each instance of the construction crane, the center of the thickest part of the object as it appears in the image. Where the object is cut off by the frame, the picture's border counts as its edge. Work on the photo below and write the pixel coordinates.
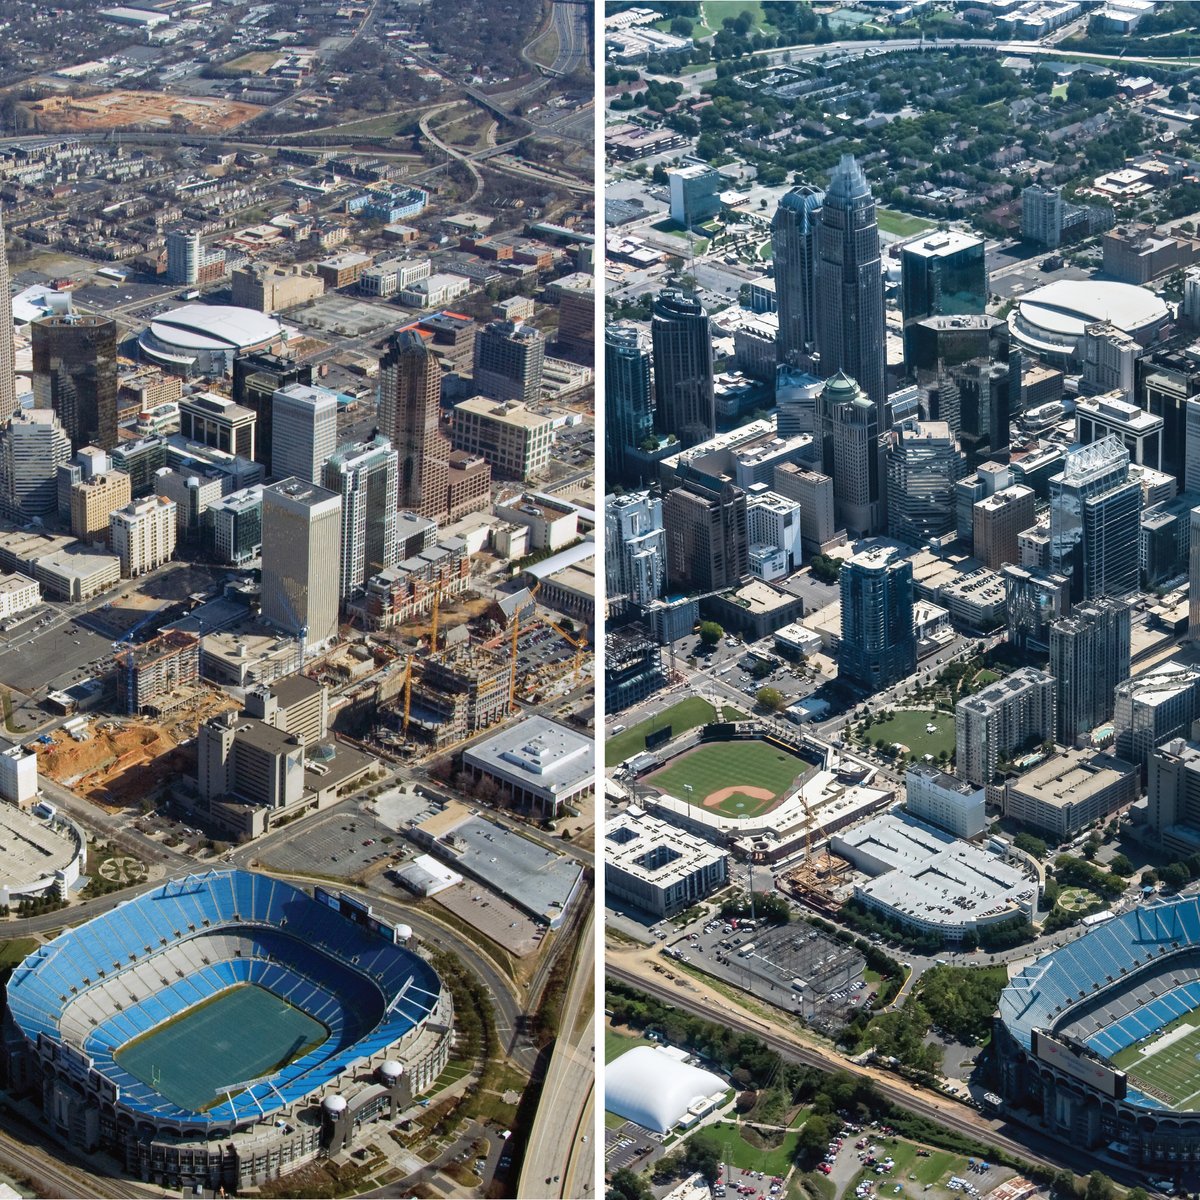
(407, 694)
(512, 678)
(580, 644)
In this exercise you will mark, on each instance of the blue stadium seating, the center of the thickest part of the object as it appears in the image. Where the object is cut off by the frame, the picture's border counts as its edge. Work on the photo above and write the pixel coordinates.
(340, 973)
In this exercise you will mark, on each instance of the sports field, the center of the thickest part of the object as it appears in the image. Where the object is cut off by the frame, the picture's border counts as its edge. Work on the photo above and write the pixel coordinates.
(1170, 1073)
(739, 779)
(682, 716)
(237, 1036)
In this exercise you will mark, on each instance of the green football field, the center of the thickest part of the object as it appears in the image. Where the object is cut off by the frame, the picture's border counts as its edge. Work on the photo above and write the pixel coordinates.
(718, 766)
(239, 1035)
(1172, 1074)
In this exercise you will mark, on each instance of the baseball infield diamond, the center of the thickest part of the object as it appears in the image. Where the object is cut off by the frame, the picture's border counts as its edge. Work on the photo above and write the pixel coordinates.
(739, 779)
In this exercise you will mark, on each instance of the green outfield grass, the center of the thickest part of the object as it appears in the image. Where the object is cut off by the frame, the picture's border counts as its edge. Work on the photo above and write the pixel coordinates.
(1172, 1073)
(685, 715)
(719, 765)
(901, 224)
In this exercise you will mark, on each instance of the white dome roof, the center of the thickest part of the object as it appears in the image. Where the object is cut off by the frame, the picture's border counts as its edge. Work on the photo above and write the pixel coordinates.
(651, 1088)
(404, 932)
(214, 327)
(1053, 318)
(334, 1104)
(390, 1069)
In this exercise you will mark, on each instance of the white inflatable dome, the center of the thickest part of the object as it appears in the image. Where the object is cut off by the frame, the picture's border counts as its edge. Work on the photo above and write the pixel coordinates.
(648, 1086)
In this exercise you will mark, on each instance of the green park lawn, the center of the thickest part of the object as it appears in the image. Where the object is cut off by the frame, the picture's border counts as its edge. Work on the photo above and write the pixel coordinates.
(740, 1153)
(901, 224)
(615, 1043)
(908, 728)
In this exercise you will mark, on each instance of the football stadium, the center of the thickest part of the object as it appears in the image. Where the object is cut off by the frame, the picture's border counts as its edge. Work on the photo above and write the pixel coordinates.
(225, 1028)
(1102, 1037)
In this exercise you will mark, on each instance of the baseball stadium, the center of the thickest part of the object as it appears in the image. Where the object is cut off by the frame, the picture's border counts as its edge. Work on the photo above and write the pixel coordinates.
(759, 787)
(225, 1028)
(1101, 1038)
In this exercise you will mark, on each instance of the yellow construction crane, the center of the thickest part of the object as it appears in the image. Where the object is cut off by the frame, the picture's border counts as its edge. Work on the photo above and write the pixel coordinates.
(512, 679)
(407, 694)
(579, 643)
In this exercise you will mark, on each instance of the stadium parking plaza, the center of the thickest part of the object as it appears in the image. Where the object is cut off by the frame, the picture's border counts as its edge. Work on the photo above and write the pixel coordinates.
(739, 779)
(213, 1047)
(1171, 1072)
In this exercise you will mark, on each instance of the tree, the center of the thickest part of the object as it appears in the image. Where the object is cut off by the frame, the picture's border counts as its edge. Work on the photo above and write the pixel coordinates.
(771, 698)
(711, 633)
(1174, 875)
(1099, 1187)
(1121, 865)
(814, 1138)
(625, 1185)
(1030, 844)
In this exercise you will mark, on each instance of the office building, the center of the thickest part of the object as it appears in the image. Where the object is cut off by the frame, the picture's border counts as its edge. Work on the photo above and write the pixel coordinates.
(1069, 791)
(211, 420)
(980, 398)
(1140, 432)
(936, 345)
(193, 491)
(941, 274)
(1010, 715)
(1095, 510)
(32, 447)
(814, 493)
(236, 522)
(849, 281)
(364, 475)
(93, 500)
(8, 379)
(695, 194)
(793, 238)
(879, 645)
(1159, 704)
(1109, 361)
(685, 400)
(296, 705)
(256, 379)
(241, 757)
(303, 430)
(75, 374)
(1089, 657)
(515, 440)
(629, 404)
(944, 800)
(923, 465)
(635, 548)
(773, 523)
(143, 535)
(1033, 599)
(996, 522)
(1049, 220)
(658, 868)
(301, 543)
(706, 535)
(270, 287)
(508, 361)
(852, 454)
(189, 262)
(1173, 797)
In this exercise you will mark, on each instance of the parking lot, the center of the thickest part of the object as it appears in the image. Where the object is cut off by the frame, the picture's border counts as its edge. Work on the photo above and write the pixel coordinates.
(769, 962)
(340, 842)
(49, 658)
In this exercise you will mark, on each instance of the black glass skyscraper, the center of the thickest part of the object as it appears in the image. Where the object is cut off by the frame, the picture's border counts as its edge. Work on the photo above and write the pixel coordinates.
(630, 401)
(75, 374)
(685, 403)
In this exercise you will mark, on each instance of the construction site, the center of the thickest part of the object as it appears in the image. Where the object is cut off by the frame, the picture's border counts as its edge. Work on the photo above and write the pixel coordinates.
(137, 110)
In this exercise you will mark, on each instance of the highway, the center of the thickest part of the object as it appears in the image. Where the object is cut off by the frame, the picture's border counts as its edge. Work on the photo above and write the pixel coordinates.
(1017, 1140)
(560, 1156)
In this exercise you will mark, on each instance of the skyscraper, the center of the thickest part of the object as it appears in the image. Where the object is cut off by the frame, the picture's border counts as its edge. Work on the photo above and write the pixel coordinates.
(708, 547)
(923, 465)
(635, 557)
(793, 233)
(433, 480)
(1089, 656)
(879, 646)
(75, 374)
(364, 475)
(8, 383)
(256, 379)
(303, 430)
(685, 404)
(508, 361)
(301, 557)
(941, 275)
(32, 448)
(849, 283)
(1095, 509)
(629, 396)
(852, 454)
